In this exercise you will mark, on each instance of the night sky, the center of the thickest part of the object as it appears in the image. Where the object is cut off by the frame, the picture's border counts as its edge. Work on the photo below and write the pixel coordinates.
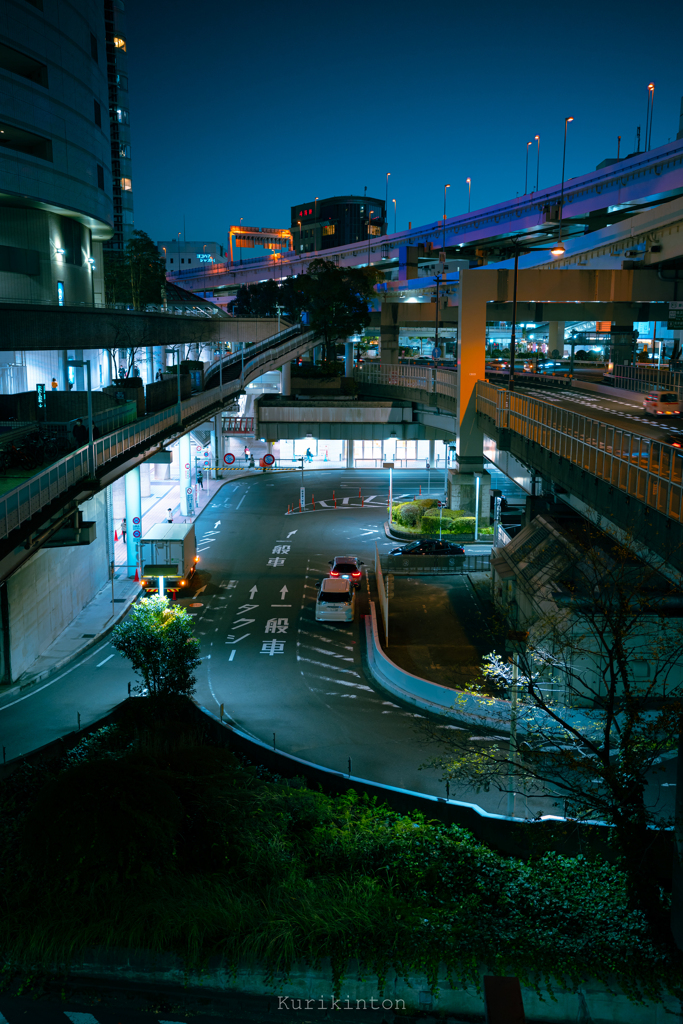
(243, 109)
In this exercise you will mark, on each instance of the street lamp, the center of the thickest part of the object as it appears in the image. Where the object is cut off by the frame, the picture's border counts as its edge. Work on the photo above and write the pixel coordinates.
(394, 202)
(444, 215)
(564, 155)
(91, 459)
(538, 157)
(469, 193)
(526, 168)
(648, 119)
(386, 200)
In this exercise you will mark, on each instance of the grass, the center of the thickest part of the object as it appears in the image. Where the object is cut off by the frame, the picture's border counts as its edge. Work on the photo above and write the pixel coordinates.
(147, 837)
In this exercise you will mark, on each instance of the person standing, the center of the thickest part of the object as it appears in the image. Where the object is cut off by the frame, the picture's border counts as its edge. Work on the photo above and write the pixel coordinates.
(123, 530)
(54, 385)
(170, 515)
(200, 479)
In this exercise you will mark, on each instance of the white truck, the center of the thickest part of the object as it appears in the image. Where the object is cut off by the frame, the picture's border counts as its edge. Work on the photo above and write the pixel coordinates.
(168, 550)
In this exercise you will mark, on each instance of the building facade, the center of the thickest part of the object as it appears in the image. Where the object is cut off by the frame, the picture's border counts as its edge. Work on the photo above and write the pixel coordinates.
(341, 220)
(180, 255)
(55, 167)
(119, 122)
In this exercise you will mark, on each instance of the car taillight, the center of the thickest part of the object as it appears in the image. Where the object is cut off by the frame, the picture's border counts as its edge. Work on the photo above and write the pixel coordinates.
(334, 573)
(676, 444)
(355, 573)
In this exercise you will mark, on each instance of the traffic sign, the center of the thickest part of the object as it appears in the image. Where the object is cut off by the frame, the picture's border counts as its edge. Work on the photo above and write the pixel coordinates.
(137, 533)
(229, 459)
(269, 459)
(136, 520)
(441, 504)
(189, 490)
(675, 321)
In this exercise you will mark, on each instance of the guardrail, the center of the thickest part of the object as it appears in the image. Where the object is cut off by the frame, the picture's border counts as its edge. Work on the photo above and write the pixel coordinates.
(642, 379)
(171, 308)
(431, 379)
(235, 358)
(436, 565)
(648, 470)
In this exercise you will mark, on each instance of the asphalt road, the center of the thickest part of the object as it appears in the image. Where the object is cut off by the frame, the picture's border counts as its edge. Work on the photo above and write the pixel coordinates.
(278, 673)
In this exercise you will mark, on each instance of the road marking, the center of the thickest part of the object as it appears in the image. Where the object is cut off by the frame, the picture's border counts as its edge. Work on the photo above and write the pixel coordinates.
(242, 499)
(323, 664)
(45, 685)
(345, 501)
(105, 661)
(283, 592)
(326, 640)
(280, 606)
(291, 533)
(254, 590)
(322, 650)
(216, 524)
(233, 652)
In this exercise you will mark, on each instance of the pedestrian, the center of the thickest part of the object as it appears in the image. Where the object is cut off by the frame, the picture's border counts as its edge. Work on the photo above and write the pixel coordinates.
(170, 515)
(200, 479)
(80, 432)
(158, 377)
(309, 455)
(54, 384)
(123, 530)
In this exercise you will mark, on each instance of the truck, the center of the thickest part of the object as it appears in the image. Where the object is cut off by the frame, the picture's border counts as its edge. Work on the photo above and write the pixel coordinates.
(168, 550)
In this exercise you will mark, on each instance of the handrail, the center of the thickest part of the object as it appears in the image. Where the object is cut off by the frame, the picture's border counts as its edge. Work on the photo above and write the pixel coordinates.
(232, 358)
(431, 379)
(648, 470)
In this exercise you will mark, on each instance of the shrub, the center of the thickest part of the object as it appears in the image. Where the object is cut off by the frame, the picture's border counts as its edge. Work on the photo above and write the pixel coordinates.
(409, 514)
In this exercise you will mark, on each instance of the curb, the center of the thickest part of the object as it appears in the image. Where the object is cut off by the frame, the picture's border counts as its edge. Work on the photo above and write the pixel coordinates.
(454, 537)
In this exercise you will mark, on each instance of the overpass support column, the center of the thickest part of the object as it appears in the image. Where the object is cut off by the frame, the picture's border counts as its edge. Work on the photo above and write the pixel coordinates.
(217, 441)
(286, 378)
(133, 512)
(556, 337)
(63, 377)
(349, 454)
(185, 474)
(432, 454)
(348, 359)
(389, 332)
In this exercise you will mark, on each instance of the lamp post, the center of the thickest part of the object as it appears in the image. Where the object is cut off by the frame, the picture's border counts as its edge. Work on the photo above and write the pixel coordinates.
(618, 145)
(469, 193)
(91, 453)
(526, 167)
(648, 119)
(315, 228)
(370, 213)
(538, 157)
(564, 155)
(444, 215)
(394, 202)
(386, 200)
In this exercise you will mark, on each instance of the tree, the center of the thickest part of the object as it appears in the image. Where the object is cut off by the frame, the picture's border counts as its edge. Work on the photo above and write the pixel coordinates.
(596, 699)
(337, 300)
(137, 275)
(158, 639)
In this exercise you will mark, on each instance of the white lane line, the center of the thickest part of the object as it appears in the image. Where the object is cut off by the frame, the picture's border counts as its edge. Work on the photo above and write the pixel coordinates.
(105, 661)
(330, 668)
(345, 682)
(323, 650)
(233, 652)
(242, 499)
(45, 685)
(326, 640)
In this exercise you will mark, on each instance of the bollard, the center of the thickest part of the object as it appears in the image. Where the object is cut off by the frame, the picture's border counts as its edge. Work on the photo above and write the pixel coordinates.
(335, 499)
(420, 490)
(79, 721)
(222, 708)
(362, 502)
(448, 790)
(313, 501)
(299, 504)
(349, 767)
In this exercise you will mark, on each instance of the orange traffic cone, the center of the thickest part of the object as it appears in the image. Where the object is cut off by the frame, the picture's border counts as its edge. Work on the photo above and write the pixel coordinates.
(116, 537)
(137, 577)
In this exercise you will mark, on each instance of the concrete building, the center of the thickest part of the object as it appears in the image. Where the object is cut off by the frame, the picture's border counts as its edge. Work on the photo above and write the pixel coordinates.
(181, 255)
(340, 220)
(55, 158)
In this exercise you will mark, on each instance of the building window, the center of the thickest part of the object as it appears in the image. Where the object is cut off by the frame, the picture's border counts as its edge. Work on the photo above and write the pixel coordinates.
(100, 176)
(171, 259)
(329, 229)
(93, 47)
(126, 185)
(21, 64)
(60, 293)
(189, 261)
(122, 82)
(98, 114)
(122, 115)
(182, 260)
(124, 151)
(120, 43)
(25, 142)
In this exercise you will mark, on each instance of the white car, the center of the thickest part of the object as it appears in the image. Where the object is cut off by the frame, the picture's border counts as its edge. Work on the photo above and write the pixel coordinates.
(336, 601)
(662, 403)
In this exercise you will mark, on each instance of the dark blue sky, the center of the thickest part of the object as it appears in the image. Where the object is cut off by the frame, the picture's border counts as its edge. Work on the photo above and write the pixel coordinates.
(243, 109)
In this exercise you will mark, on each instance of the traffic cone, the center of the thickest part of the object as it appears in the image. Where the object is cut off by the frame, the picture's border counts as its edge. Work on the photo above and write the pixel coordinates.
(137, 577)
(116, 537)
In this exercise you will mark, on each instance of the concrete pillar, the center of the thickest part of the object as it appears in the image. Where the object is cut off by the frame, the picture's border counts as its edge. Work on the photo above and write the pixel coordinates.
(556, 337)
(286, 378)
(159, 356)
(389, 332)
(348, 359)
(145, 490)
(217, 436)
(133, 513)
(63, 373)
(185, 470)
(476, 286)
(349, 454)
(432, 454)
(79, 372)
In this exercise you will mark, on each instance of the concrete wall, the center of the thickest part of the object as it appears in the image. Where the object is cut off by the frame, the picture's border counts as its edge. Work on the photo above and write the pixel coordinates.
(51, 588)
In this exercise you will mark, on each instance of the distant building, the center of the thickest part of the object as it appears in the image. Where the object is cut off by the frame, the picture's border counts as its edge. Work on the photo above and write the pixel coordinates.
(179, 255)
(119, 122)
(321, 224)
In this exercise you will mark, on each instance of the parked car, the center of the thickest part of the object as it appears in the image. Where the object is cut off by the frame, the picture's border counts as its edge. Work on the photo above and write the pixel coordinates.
(662, 403)
(346, 567)
(429, 547)
(336, 601)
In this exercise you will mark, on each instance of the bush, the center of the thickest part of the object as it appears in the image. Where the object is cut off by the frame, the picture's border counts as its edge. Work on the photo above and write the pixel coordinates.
(409, 514)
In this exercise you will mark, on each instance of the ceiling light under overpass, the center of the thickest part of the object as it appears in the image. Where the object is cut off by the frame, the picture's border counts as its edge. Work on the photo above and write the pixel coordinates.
(557, 250)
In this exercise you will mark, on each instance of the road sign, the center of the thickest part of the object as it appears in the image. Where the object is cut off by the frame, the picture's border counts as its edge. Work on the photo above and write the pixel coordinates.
(229, 459)
(441, 504)
(137, 533)
(302, 496)
(269, 459)
(189, 490)
(387, 465)
(675, 321)
(136, 520)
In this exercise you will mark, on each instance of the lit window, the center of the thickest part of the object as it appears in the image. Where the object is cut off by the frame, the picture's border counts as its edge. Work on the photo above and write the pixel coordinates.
(328, 229)
(126, 185)
(124, 151)
(60, 293)
(120, 43)
(122, 115)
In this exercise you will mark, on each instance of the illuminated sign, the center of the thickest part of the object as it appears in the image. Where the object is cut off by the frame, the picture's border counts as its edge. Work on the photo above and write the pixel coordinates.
(205, 257)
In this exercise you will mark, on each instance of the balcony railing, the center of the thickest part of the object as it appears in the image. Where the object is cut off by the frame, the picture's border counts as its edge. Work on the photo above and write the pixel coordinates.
(433, 380)
(645, 469)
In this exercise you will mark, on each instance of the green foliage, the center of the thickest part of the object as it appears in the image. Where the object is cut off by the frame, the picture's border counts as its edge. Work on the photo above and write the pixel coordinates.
(137, 275)
(263, 299)
(409, 514)
(337, 300)
(458, 525)
(150, 840)
(159, 641)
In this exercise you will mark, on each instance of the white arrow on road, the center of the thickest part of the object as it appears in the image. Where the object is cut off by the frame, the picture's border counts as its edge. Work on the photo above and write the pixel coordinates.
(283, 592)
(200, 591)
(252, 592)
(216, 524)
(291, 534)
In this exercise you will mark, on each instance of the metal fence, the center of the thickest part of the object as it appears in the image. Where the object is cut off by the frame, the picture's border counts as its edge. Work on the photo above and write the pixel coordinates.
(434, 565)
(404, 375)
(645, 378)
(648, 470)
